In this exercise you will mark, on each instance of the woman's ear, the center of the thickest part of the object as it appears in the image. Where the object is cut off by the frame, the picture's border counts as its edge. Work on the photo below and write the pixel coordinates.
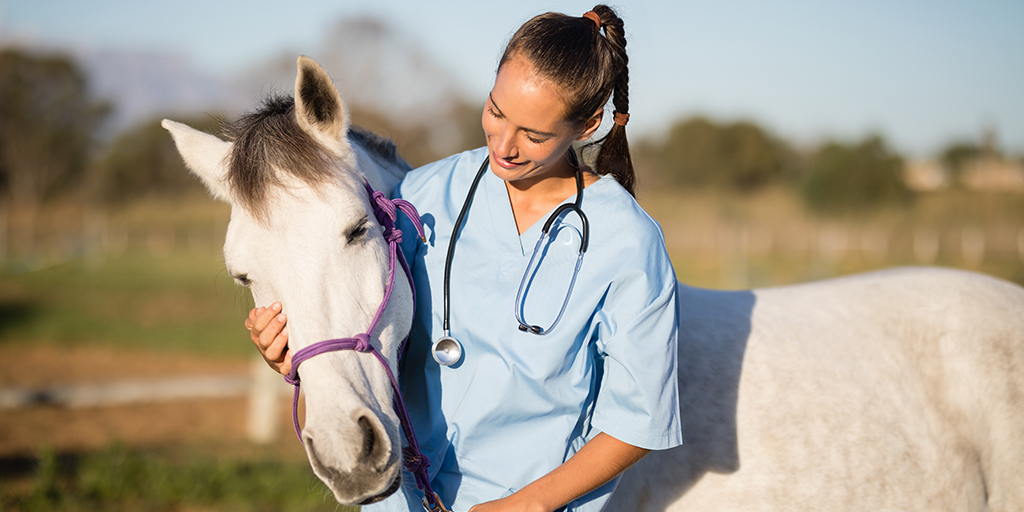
(591, 125)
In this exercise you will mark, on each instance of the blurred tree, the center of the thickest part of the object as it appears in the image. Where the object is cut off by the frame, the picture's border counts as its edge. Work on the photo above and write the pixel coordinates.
(457, 130)
(143, 161)
(47, 122)
(465, 118)
(844, 179)
(698, 152)
(956, 155)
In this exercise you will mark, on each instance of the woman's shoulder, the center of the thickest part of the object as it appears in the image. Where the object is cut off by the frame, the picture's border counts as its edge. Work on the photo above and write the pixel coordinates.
(618, 214)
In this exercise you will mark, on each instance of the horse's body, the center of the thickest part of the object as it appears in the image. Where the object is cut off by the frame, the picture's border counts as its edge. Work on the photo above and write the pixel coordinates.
(900, 390)
(894, 390)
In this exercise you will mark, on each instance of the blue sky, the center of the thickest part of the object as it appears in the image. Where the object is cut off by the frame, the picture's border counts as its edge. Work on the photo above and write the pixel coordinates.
(922, 73)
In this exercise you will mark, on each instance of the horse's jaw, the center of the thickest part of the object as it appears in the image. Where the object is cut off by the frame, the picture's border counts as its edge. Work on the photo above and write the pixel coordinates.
(351, 432)
(352, 438)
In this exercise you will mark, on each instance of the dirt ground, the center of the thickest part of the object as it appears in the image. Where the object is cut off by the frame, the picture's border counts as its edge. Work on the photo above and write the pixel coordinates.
(23, 432)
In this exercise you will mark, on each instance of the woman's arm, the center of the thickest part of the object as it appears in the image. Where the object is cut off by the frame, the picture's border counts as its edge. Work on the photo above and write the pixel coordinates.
(600, 460)
(269, 332)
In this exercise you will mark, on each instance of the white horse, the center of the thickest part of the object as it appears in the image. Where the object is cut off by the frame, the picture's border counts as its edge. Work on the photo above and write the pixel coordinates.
(897, 390)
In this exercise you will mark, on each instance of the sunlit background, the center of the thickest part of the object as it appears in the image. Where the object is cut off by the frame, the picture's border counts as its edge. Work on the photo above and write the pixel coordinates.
(777, 142)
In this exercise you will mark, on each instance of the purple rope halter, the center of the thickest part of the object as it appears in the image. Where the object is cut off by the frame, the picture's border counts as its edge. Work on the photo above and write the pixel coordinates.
(386, 211)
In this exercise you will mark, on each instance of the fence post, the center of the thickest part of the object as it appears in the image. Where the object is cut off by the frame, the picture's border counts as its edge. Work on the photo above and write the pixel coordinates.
(264, 402)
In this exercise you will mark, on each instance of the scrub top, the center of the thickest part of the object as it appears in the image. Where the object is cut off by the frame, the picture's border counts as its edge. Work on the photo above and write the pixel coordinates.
(517, 404)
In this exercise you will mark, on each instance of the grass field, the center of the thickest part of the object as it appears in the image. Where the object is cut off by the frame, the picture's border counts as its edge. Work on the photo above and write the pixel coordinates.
(142, 480)
(135, 300)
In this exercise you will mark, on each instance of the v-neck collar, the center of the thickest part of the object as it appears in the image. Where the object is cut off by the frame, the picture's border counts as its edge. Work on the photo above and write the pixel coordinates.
(512, 247)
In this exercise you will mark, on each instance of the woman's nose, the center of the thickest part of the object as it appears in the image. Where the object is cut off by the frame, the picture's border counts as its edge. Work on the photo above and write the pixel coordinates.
(504, 145)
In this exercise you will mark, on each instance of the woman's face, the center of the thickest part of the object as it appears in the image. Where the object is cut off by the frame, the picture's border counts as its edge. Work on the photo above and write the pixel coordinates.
(523, 120)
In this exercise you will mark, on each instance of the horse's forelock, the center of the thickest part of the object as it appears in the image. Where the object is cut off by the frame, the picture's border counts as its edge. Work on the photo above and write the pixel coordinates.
(266, 139)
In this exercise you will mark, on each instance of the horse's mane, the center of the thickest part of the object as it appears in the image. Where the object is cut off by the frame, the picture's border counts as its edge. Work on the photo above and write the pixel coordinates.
(381, 147)
(269, 138)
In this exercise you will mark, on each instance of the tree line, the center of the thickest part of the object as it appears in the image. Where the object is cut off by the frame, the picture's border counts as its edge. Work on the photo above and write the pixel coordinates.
(48, 149)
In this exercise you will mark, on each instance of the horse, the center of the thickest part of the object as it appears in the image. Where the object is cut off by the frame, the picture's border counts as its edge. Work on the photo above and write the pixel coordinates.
(302, 232)
(893, 390)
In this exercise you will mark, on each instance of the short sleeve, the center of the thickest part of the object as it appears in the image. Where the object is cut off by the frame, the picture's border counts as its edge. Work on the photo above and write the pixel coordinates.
(638, 396)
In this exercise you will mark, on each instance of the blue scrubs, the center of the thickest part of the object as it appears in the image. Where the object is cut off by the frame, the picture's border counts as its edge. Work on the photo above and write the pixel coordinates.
(517, 405)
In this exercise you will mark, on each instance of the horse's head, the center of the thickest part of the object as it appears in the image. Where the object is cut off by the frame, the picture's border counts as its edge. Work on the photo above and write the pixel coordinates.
(302, 232)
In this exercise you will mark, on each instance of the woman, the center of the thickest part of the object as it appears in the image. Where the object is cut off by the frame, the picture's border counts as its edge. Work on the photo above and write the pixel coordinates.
(536, 417)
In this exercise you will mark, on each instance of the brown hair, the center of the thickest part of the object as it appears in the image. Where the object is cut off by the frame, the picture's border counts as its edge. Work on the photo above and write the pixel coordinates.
(589, 67)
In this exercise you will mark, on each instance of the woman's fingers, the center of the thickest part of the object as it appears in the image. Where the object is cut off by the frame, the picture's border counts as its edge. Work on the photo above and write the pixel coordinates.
(268, 330)
(285, 367)
(278, 345)
(259, 321)
(270, 333)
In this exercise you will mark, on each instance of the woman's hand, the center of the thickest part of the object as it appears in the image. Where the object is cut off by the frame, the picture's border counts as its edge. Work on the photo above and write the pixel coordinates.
(508, 504)
(268, 330)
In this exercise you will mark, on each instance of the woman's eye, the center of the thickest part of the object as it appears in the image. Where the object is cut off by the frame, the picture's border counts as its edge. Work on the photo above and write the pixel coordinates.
(490, 110)
(535, 140)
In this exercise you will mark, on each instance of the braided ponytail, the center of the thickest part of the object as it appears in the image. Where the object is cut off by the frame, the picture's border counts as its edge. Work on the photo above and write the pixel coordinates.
(590, 68)
(613, 156)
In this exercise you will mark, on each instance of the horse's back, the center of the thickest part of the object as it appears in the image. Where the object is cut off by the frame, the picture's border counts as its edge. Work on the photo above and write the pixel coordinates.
(892, 390)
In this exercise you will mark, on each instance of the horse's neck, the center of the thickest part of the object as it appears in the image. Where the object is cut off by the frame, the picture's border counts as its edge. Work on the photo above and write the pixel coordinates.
(381, 175)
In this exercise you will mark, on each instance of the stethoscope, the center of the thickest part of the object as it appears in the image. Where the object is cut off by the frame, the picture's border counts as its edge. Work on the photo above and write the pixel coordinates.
(448, 350)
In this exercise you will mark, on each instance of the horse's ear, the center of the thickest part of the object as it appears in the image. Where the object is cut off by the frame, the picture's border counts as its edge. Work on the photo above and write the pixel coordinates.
(318, 105)
(204, 154)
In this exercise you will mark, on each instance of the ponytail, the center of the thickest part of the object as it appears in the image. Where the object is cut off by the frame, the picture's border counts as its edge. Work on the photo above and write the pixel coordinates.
(590, 68)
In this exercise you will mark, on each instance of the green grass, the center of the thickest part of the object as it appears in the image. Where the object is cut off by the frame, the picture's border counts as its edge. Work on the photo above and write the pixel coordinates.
(184, 301)
(133, 480)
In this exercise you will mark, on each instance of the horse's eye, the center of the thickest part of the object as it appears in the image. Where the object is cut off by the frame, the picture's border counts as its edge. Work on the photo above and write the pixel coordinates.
(242, 279)
(358, 232)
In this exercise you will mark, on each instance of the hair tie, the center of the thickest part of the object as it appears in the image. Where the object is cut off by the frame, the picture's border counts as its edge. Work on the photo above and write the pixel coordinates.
(593, 16)
(620, 118)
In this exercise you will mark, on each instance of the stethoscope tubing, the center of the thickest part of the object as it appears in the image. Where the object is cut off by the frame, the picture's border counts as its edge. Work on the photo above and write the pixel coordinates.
(453, 346)
(451, 244)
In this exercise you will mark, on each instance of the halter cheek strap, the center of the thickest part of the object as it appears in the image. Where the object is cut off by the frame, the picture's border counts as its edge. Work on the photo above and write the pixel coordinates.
(386, 212)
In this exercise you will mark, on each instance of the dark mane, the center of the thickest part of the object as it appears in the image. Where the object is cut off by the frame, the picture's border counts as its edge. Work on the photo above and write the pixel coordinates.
(268, 138)
(381, 147)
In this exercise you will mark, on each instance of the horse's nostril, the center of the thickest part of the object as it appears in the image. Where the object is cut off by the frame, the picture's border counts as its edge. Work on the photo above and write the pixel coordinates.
(369, 437)
(374, 449)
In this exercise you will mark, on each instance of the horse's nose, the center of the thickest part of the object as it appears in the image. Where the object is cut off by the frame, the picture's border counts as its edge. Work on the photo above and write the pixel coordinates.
(361, 447)
(355, 460)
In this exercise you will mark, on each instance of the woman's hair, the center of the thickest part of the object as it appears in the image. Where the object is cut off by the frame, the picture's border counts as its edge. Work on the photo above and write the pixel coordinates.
(589, 68)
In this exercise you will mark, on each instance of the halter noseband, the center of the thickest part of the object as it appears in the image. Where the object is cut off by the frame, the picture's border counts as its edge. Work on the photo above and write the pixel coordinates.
(386, 211)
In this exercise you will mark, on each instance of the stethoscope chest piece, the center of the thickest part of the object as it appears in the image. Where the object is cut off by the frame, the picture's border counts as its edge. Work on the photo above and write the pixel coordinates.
(446, 351)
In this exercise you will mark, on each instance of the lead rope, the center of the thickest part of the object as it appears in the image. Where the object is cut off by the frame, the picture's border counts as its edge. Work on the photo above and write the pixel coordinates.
(386, 212)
